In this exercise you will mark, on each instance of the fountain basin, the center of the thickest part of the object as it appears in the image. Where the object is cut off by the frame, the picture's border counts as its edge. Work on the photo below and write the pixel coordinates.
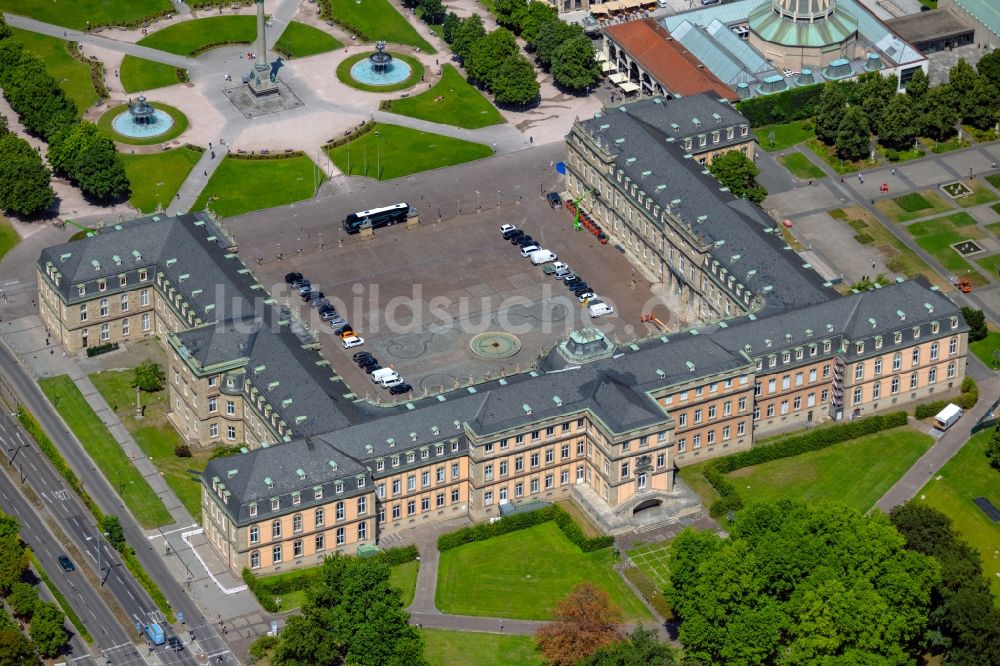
(392, 73)
(159, 123)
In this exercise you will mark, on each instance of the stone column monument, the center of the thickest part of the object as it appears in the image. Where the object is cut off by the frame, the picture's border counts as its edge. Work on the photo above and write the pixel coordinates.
(260, 80)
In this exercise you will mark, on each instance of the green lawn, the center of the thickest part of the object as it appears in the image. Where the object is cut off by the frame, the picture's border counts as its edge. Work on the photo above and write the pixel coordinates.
(983, 349)
(995, 227)
(980, 195)
(178, 128)
(524, 574)
(416, 73)
(991, 265)
(73, 76)
(912, 206)
(946, 146)
(240, 186)
(464, 648)
(965, 477)
(139, 74)
(801, 166)
(855, 473)
(897, 156)
(76, 13)
(786, 135)
(936, 236)
(8, 237)
(300, 40)
(403, 151)
(378, 19)
(829, 155)
(994, 180)
(113, 462)
(155, 435)
(452, 101)
(402, 576)
(156, 177)
(654, 560)
(191, 37)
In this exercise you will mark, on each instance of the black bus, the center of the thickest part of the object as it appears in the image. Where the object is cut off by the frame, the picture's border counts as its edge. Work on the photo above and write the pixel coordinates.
(380, 217)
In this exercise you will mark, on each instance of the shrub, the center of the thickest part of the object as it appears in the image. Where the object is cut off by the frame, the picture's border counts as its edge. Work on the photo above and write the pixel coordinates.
(223, 451)
(97, 350)
(96, 69)
(864, 238)
(182, 451)
(359, 131)
(521, 521)
(967, 398)
(261, 647)
(649, 592)
(23, 599)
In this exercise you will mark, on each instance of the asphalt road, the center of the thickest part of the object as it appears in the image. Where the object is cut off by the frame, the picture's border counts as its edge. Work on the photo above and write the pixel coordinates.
(78, 524)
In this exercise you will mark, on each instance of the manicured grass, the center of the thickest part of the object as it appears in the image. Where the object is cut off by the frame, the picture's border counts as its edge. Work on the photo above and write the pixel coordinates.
(416, 73)
(786, 135)
(180, 124)
(139, 74)
(946, 146)
(801, 167)
(156, 177)
(404, 577)
(991, 265)
(995, 227)
(403, 151)
(191, 37)
(937, 235)
(73, 76)
(113, 462)
(155, 435)
(378, 19)
(980, 195)
(586, 525)
(855, 473)
(983, 349)
(452, 100)
(524, 574)
(76, 13)
(464, 648)
(966, 476)
(8, 237)
(901, 259)
(912, 206)
(897, 156)
(994, 180)
(654, 560)
(829, 155)
(300, 40)
(240, 186)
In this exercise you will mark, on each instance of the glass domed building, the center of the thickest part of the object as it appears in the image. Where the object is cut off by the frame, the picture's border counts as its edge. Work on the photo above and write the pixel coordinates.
(803, 34)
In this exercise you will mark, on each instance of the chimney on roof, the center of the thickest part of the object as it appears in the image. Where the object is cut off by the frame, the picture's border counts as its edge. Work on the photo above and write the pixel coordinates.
(527, 409)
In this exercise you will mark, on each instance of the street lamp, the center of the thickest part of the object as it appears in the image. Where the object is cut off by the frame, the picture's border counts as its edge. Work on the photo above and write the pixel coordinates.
(378, 156)
(100, 566)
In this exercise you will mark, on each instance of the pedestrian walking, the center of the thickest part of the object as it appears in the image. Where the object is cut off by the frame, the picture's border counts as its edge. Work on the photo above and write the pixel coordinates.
(531, 139)
(501, 626)
(206, 172)
(893, 171)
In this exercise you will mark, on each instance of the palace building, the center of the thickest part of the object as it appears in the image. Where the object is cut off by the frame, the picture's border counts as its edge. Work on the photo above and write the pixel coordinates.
(323, 471)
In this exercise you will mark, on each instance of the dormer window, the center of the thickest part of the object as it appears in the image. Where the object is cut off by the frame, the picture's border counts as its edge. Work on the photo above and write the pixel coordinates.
(729, 133)
(81, 290)
(296, 498)
(338, 487)
(395, 461)
(102, 285)
(122, 280)
(744, 130)
(954, 323)
(878, 342)
(253, 509)
(916, 332)
(786, 357)
(859, 347)
(143, 275)
(361, 482)
(687, 145)
(439, 449)
(410, 457)
(274, 504)
(897, 337)
(935, 327)
(379, 465)
(318, 492)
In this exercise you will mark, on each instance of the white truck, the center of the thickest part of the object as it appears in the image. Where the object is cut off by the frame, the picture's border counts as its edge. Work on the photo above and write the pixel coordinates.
(946, 417)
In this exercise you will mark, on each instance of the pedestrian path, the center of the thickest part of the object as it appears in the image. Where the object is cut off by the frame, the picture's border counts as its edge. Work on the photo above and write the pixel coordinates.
(198, 177)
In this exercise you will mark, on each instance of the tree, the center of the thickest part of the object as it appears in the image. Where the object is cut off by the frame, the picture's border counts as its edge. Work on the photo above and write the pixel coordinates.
(574, 66)
(112, 528)
(961, 79)
(488, 54)
(551, 35)
(47, 631)
(451, 22)
(853, 135)
(830, 111)
(23, 600)
(149, 377)
(993, 449)
(937, 116)
(916, 87)
(737, 172)
(586, 621)
(352, 614)
(538, 14)
(13, 562)
(5, 30)
(88, 158)
(976, 319)
(15, 649)
(989, 67)
(797, 584)
(510, 14)
(8, 526)
(873, 92)
(24, 180)
(983, 102)
(516, 83)
(898, 125)
(432, 11)
(640, 648)
(468, 32)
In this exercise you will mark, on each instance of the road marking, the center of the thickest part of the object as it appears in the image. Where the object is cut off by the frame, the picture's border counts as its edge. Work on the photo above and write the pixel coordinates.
(46, 498)
(179, 529)
(129, 592)
(63, 495)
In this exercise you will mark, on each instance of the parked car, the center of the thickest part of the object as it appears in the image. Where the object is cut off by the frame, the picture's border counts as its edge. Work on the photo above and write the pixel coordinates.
(554, 200)
(175, 644)
(357, 356)
(311, 296)
(566, 276)
(581, 288)
(539, 257)
(335, 321)
(512, 236)
(400, 389)
(600, 309)
(586, 296)
(305, 288)
(327, 312)
(526, 251)
(352, 341)
(292, 277)
(297, 282)
(66, 564)
(576, 279)
(367, 362)
(506, 230)
(318, 303)
(516, 240)
(344, 330)
(525, 240)
(372, 368)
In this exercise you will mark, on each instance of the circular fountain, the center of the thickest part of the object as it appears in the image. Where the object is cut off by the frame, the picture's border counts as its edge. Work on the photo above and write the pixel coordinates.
(380, 68)
(142, 120)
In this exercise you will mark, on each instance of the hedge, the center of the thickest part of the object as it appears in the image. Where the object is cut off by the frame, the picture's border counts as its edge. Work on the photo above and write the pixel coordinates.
(966, 399)
(360, 131)
(97, 350)
(521, 521)
(715, 471)
(794, 104)
(266, 589)
(96, 69)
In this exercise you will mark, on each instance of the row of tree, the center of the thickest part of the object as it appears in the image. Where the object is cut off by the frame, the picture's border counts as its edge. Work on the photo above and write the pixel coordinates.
(850, 112)
(493, 60)
(77, 149)
(45, 620)
(24, 178)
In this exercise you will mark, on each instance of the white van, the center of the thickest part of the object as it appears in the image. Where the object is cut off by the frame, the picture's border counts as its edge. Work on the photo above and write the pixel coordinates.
(539, 257)
(599, 309)
(386, 377)
(946, 417)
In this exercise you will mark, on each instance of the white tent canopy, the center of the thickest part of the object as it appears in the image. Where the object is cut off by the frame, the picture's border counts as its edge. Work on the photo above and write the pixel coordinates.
(628, 86)
(618, 77)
